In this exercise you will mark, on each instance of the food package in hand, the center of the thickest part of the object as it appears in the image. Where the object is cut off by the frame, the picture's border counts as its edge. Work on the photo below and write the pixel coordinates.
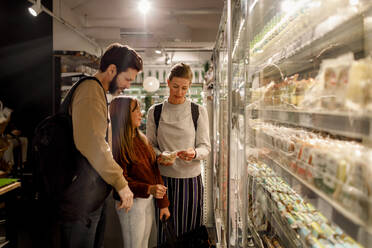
(169, 157)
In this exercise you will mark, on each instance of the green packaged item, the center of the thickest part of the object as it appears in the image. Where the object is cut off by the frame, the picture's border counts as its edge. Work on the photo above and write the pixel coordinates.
(314, 242)
(290, 219)
(303, 231)
(316, 230)
(327, 230)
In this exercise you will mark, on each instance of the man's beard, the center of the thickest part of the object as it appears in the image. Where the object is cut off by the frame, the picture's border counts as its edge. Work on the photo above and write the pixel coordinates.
(113, 87)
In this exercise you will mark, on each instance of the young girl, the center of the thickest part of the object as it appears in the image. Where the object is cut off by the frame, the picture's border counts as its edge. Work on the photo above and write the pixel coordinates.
(133, 153)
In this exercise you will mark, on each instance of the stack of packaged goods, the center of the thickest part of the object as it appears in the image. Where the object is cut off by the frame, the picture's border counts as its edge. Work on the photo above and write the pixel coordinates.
(272, 242)
(342, 84)
(341, 169)
(296, 214)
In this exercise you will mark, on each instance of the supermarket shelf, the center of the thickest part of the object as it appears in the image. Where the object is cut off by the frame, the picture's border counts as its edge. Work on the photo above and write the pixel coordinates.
(218, 222)
(286, 234)
(352, 126)
(74, 74)
(255, 235)
(298, 54)
(77, 58)
(350, 220)
(66, 87)
(283, 233)
(9, 187)
(4, 243)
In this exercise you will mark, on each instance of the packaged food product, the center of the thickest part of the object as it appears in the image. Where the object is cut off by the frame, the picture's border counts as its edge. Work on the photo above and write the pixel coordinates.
(316, 230)
(303, 231)
(331, 169)
(334, 79)
(359, 89)
(314, 242)
(302, 87)
(268, 242)
(320, 163)
(269, 93)
(169, 157)
(276, 243)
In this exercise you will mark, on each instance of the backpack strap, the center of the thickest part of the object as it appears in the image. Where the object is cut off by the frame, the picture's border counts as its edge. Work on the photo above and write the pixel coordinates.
(65, 106)
(157, 114)
(195, 114)
(67, 101)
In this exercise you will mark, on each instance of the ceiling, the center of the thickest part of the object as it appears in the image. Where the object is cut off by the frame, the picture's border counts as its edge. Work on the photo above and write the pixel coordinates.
(189, 25)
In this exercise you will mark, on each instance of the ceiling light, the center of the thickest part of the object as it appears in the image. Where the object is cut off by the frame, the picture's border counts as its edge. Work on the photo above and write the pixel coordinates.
(354, 2)
(158, 51)
(36, 8)
(144, 6)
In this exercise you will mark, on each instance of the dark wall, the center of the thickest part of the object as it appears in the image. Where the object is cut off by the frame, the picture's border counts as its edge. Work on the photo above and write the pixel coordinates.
(26, 63)
(27, 86)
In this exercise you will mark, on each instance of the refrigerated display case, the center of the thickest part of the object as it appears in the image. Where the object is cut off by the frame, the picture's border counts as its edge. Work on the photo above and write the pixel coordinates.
(219, 135)
(292, 140)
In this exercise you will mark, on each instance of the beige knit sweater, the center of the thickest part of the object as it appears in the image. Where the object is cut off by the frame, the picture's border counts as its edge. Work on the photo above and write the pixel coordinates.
(89, 120)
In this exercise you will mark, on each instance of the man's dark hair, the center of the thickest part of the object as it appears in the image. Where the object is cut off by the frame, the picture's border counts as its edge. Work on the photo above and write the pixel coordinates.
(123, 57)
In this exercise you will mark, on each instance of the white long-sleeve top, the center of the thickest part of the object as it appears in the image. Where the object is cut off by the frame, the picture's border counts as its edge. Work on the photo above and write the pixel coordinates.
(176, 132)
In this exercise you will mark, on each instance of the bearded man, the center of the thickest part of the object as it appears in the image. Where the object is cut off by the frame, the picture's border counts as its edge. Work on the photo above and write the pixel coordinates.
(92, 133)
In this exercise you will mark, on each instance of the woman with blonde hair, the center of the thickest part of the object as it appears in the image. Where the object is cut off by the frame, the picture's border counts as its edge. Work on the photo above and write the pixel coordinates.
(133, 153)
(178, 130)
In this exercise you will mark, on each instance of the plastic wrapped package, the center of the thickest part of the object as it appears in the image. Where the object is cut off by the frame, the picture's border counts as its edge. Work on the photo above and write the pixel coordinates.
(320, 163)
(359, 89)
(302, 87)
(330, 170)
(334, 77)
(341, 169)
(269, 94)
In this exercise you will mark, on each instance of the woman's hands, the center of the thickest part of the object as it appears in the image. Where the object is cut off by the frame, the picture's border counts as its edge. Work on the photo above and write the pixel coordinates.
(164, 212)
(168, 158)
(187, 155)
(158, 191)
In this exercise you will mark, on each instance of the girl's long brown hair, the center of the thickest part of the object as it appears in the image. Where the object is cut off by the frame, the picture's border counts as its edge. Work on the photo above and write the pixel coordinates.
(123, 132)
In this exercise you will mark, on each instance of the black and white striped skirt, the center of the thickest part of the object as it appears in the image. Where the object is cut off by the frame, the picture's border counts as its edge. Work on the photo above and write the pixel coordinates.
(186, 205)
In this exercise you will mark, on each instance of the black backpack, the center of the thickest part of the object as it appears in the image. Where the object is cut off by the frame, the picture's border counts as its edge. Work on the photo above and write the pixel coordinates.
(64, 176)
(194, 113)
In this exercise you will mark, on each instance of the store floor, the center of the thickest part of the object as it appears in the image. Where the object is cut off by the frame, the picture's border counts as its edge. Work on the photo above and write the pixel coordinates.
(32, 224)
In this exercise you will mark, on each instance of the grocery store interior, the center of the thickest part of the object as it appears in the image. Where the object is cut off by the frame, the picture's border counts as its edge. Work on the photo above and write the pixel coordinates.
(288, 89)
